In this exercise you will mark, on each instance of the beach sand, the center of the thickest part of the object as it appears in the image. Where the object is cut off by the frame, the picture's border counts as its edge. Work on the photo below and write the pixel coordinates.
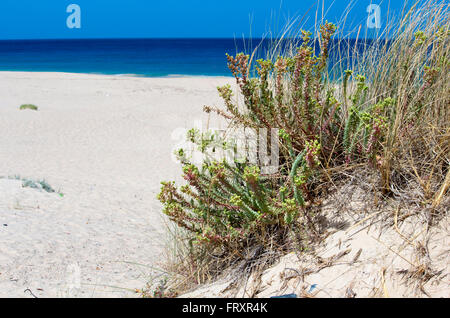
(105, 143)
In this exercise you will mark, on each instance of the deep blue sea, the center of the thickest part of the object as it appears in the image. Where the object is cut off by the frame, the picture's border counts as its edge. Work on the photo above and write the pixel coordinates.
(142, 57)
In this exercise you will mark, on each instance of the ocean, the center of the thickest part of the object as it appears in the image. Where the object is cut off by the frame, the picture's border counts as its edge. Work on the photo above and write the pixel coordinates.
(140, 57)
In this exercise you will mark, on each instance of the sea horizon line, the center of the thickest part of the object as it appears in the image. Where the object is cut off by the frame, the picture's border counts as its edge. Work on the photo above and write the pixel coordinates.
(181, 38)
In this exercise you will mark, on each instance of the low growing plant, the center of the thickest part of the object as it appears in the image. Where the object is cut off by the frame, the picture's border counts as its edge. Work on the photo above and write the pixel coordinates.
(28, 106)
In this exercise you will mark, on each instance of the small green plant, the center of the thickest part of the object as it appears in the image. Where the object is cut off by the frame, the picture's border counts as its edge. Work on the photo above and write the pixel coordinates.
(28, 106)
(42, 184)
(229, 206)
(39, 185)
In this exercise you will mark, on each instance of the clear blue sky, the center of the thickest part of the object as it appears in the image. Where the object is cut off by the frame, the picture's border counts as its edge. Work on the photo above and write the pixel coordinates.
(44, 19)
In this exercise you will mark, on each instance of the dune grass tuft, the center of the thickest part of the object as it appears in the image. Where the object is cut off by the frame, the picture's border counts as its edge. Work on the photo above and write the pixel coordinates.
(28, 106)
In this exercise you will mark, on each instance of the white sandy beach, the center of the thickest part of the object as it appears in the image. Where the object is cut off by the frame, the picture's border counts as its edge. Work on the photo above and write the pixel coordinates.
(105, 143)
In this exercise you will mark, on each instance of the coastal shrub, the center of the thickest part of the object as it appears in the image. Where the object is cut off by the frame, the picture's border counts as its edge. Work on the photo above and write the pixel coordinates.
(225, 204)
(235, 205)
(28, 106)
(389, 113)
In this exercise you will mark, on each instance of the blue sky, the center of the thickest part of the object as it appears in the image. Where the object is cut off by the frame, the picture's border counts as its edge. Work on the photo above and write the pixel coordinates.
(46, 19)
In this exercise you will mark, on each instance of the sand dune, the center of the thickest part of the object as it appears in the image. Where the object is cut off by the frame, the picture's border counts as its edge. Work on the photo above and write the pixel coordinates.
(105, 143)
